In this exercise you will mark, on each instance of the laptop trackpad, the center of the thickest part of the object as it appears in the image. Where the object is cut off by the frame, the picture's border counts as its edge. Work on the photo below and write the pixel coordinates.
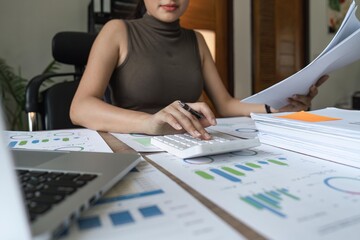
(29, 158)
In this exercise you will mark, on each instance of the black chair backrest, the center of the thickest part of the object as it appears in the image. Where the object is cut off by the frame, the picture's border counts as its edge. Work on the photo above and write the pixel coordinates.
(72, 48)
(53, 106)
(58, 97)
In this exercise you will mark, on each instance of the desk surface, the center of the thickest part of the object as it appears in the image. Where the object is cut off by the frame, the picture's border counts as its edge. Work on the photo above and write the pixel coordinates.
(117, 146)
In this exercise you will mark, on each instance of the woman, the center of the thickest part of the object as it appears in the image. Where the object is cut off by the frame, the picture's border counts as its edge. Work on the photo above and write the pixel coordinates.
(151, 64)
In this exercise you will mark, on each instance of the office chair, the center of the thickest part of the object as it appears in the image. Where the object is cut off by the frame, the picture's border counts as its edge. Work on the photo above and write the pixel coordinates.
(49, 109)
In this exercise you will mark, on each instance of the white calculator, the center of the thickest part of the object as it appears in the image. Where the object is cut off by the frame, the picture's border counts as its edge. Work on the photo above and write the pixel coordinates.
(186, 146)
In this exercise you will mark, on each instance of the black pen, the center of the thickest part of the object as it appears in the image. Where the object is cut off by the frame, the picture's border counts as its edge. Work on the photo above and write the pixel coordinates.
(190, 110)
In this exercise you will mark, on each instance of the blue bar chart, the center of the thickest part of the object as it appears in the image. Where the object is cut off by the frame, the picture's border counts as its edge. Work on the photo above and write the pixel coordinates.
(270, 200)
(86, 223)
(225, 175)
(121, 218)
(150, 211)
(233, 172)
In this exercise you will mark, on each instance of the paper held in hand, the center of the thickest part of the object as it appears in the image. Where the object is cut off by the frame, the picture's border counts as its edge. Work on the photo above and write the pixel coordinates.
(343, 49)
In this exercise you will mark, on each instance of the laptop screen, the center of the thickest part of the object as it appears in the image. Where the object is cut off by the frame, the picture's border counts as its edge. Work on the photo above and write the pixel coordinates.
(13, 218)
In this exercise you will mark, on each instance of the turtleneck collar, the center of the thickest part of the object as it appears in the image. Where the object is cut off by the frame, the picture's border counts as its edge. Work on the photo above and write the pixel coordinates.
(164, 28)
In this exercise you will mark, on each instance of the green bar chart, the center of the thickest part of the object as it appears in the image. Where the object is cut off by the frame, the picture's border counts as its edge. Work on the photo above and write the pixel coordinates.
(270, 200)
(233, 173)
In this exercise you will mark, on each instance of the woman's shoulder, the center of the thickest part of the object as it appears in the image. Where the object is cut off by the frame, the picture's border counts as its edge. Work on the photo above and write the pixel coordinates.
(199, 37)
(113, 32)
(114, 26)
(201, 40)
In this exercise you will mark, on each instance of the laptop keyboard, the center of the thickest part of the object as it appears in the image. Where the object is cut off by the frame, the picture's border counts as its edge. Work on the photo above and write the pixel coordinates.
(43, 189)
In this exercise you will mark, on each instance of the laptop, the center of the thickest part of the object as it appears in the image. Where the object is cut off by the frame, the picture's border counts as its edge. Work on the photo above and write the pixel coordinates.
(82, 178)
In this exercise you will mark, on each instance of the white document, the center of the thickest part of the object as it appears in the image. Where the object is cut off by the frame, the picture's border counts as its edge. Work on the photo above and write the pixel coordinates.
(242, 127)
(281, 194)
(148, 205)
(341, 51)
(58, 140)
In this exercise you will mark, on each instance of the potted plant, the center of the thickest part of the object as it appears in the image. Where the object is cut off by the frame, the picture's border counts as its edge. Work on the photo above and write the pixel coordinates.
(12, 94)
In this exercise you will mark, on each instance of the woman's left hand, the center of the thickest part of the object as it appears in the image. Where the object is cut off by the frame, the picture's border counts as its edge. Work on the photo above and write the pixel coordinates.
(303, 102)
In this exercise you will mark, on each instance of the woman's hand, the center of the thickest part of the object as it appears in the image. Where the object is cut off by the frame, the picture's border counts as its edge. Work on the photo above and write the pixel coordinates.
(175, 119)
(303, 102)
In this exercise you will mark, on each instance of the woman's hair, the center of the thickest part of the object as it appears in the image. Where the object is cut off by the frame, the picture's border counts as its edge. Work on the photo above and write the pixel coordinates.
(140, 10)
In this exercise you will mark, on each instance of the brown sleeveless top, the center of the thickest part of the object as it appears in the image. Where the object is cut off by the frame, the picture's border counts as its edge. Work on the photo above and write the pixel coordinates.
(163, 65)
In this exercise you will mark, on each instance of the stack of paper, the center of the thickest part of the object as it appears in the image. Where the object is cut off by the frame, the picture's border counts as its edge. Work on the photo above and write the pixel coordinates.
(331, 133)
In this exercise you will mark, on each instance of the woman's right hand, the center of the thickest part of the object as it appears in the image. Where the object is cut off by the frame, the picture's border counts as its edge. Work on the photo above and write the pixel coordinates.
(175, 119)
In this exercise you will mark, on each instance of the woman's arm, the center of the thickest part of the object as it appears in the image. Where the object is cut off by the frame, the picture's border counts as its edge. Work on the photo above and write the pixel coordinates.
(227, 106)
(88, 109)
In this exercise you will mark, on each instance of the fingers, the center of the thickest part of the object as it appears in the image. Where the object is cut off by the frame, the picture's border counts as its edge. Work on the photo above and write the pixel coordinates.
(206, 112)
(194, 125)
(321, 80)
(172, 121)
(299, 103)
(313, 91)
(181, 119)
(303, 102)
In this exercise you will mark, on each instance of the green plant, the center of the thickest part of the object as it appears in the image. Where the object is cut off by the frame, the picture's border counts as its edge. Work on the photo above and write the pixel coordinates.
(12, 87)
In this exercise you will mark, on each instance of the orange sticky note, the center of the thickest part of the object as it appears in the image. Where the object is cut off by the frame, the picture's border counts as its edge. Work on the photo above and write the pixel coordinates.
(308, 117)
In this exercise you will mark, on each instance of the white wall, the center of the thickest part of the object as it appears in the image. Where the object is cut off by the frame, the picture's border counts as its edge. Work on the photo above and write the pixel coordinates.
(27, 27)
(336, 91)
(242, 48)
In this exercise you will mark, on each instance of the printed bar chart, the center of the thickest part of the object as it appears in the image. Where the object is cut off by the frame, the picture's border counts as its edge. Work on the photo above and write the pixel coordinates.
(204, 175)
(121, 218)
(150, 211)
(253, 165)
(58, 140)
(233, 171)
(270, 200)
(277, 162)
(245, 168)
(86, 223)
(225, 175)
(231, 174)
(23, 143)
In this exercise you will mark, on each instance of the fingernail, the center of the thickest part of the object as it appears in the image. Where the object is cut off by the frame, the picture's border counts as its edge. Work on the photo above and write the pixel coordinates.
(207, 136)
(178, 126)
(196, 133)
